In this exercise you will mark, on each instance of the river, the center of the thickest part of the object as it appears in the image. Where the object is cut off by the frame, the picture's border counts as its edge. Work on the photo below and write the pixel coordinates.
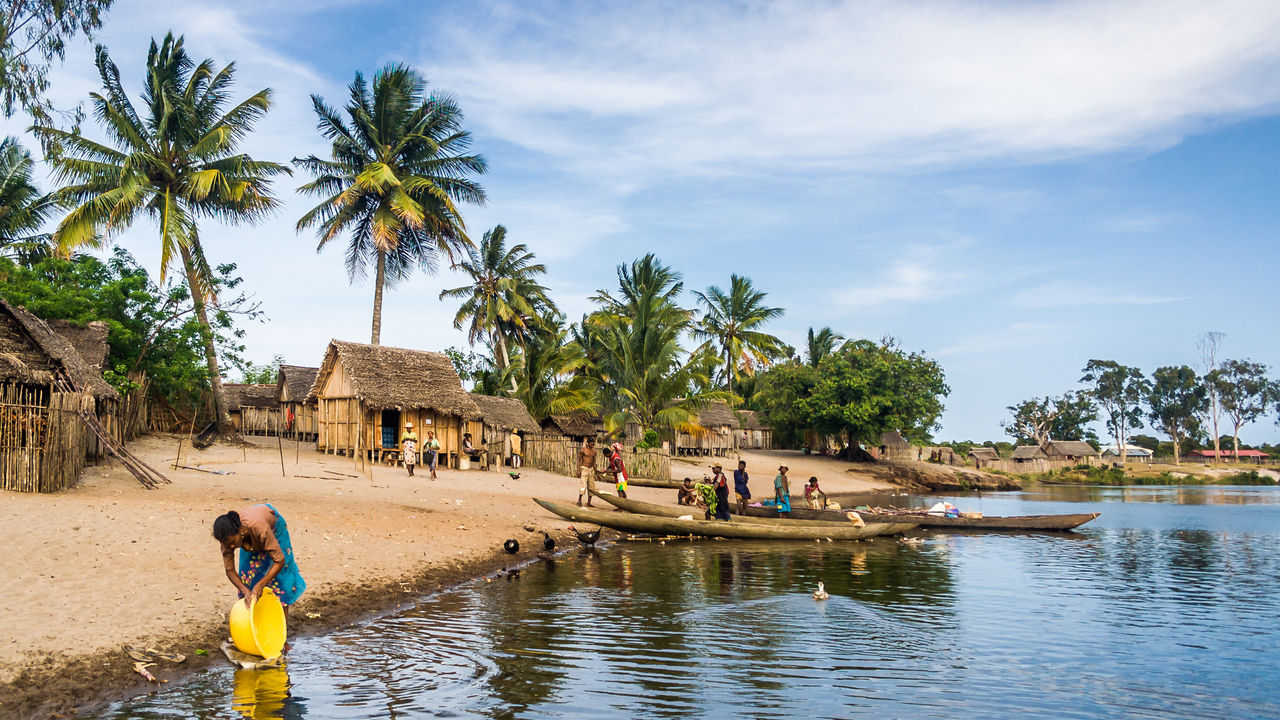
(1164, 607)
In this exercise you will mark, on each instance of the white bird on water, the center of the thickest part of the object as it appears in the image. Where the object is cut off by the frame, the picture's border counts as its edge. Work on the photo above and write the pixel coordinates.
(821, 592)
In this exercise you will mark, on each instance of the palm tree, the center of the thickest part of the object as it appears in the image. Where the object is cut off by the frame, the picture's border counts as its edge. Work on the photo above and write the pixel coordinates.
(731, 320)
(820, 345)
(23, 209)
(176, 163)
(503, 300)
(637, 336)
(395, 178)
(546, 366)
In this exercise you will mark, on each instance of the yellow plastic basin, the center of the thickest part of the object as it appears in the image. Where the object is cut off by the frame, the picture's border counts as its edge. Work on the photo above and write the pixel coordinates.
(260, 629)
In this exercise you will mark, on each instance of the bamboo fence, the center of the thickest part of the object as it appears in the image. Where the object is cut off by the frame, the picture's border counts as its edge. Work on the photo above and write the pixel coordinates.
(42, 445)
(559, 455)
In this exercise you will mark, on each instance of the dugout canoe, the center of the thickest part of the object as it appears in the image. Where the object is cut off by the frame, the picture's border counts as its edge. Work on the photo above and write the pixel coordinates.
(641, 507)
(653, 483)
(655, 525)
(994, 522)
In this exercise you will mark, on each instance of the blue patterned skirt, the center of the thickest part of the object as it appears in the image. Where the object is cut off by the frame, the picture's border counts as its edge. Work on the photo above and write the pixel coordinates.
(288, 584)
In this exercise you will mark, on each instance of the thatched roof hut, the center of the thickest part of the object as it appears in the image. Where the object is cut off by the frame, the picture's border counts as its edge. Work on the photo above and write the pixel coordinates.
(717, 414)
(252, 395)
(984, 454)
(33, 353)
(893, 440)
(1069, 450)
(577, 426)
(1027, 453)
(755, 434)
(507, 414)
(294, 383)
(89, 340)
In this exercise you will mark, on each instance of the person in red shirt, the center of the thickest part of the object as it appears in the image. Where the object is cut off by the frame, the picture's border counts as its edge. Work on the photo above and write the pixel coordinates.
(618, 469)
(811, 494)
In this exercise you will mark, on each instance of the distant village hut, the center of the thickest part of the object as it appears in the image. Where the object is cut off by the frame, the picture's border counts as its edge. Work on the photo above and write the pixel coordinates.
(983, 455)
(1070, 450)
(713, 431)
(1133, 453)
(755, 434)
(1028, 453)
(893, 446)
(501, 418)
(297, 414)
(577, 427)
(365, 395)
(253, 408)
(49, 395)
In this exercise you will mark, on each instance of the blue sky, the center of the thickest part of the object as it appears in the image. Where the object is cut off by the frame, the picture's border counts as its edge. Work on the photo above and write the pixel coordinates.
(1012, 188)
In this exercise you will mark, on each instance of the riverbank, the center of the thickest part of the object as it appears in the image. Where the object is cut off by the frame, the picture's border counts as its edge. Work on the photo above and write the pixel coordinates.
(109, 562)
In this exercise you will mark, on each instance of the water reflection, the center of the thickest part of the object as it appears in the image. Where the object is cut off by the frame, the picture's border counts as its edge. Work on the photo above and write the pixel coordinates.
(264, 695)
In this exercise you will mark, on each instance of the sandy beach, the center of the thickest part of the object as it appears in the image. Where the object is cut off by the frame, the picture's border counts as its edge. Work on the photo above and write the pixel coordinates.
(110, 563)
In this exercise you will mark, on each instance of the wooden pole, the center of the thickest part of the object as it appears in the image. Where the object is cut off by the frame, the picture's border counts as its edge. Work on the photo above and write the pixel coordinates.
(280, 446)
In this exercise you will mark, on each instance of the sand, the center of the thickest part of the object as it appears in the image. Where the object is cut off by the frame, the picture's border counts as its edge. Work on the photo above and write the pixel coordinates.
(109, 562)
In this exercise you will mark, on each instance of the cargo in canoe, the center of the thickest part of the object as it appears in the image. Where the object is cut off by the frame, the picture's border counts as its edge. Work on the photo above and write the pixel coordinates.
(675, 511)
(655, 525)
(995, 522)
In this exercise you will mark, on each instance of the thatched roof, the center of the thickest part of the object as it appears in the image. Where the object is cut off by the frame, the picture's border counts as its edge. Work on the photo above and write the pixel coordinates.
(295, 383)
(1027, 452)
(717, 413)
(579, 425)
(984, 453)
(90, 341)
(1074, 448)
(249, 395)
(893, 440)
(32, 352)
(505, 413)
(398, 378)
(751, 420)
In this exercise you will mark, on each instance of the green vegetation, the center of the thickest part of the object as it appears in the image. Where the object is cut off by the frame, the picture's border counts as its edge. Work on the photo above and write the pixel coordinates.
(731, 323)
(34, 34)
(1109, 475)
(23, 209)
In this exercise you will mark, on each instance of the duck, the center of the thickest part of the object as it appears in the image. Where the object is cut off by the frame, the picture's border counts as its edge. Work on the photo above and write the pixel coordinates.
(514, 475)
(512, 546)
(548, 543)
(905, 540)
(821, 593)
(586, 538)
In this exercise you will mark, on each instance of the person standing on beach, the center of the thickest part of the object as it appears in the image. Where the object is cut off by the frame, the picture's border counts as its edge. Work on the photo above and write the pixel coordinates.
(618, 470)
(587, 470)
(740, 478)
(266, 554)
(782, 490)
(517, 447)
(409, 448)
(431, 452)
(721, 485)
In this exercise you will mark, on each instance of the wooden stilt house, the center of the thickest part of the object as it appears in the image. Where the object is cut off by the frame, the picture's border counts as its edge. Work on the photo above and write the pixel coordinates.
(502, 417)
(715, 431)
(366, 393)
(298, 415)
(755, 435)
(253, 408)
(46, 389)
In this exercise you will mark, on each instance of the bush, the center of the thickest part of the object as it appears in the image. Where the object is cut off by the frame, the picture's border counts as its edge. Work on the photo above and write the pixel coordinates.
(650, 440)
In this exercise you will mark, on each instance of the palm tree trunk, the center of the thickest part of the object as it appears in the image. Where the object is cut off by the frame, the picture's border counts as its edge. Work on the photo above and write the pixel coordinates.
(220, 413)
(377, 298)
(505, 357)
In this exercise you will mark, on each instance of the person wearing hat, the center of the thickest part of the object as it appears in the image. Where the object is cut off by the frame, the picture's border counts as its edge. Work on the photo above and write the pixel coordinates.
(409, 447)
(721, 485)
(782, 490)
(618, 470)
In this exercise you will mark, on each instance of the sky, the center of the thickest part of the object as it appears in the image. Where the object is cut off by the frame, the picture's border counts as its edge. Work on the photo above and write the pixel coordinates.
(1012, 188)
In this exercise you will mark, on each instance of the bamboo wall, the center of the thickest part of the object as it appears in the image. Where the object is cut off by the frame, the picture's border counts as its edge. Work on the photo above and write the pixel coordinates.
(720, 441)
(258, 421)
(558, 454)
(306, 423)
(43, 439)
(346, 427)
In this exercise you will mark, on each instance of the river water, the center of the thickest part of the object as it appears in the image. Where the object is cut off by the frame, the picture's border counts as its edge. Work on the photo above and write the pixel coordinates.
(1164, 607)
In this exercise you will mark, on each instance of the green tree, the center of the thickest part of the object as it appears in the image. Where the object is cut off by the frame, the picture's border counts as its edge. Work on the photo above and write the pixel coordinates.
(731, 322)
(1177, 399)
(23, 208)
(1040, 420)
(1208, 345)
(1244, 391)
(33, 34)
(545, 372)
(637, 334)
(866, 389)
(821, 344)
(176, 163)
(397, 171)
(780, 395)
(268, 374)
(504, 299)
(1120, 391)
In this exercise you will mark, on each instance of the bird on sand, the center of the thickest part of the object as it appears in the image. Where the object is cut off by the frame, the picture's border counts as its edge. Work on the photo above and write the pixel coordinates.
(586, 538)
(511, 546)
(821, 592)
(514, 475)
(548, 544)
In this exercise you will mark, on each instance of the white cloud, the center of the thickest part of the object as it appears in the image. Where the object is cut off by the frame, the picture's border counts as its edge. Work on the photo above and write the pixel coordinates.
(1060, 294)
(1014, 336)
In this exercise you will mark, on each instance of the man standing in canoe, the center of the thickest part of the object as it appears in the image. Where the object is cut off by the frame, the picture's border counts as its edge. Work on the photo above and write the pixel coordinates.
(587, 470)
(618, 470)
(740, 478)
(721, 485)
(782, 490)
(409, 448)
(266, 554)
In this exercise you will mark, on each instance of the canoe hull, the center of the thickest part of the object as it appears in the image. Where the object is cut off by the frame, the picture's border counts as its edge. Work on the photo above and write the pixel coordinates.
(656, 525)
(1014, 522)
(675, 511)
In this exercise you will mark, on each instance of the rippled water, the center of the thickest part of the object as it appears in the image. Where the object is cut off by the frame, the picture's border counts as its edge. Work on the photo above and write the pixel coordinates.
(1165, 607)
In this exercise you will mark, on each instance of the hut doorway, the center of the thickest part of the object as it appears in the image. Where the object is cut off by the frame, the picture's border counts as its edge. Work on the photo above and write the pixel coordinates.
(390, 428)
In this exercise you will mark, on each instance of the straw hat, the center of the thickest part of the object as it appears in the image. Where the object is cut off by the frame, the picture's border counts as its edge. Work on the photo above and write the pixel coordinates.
(716, 467)
(783, 467)
(408, 426)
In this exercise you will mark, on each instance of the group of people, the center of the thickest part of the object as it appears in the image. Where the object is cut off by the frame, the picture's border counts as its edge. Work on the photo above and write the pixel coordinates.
(713, 494)
(587, 472)
(431, 449)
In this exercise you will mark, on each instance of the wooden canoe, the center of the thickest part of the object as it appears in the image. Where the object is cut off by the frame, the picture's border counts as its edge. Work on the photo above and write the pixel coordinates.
(655, 525)
(651, 482)
(995, 522)
(675, 511)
